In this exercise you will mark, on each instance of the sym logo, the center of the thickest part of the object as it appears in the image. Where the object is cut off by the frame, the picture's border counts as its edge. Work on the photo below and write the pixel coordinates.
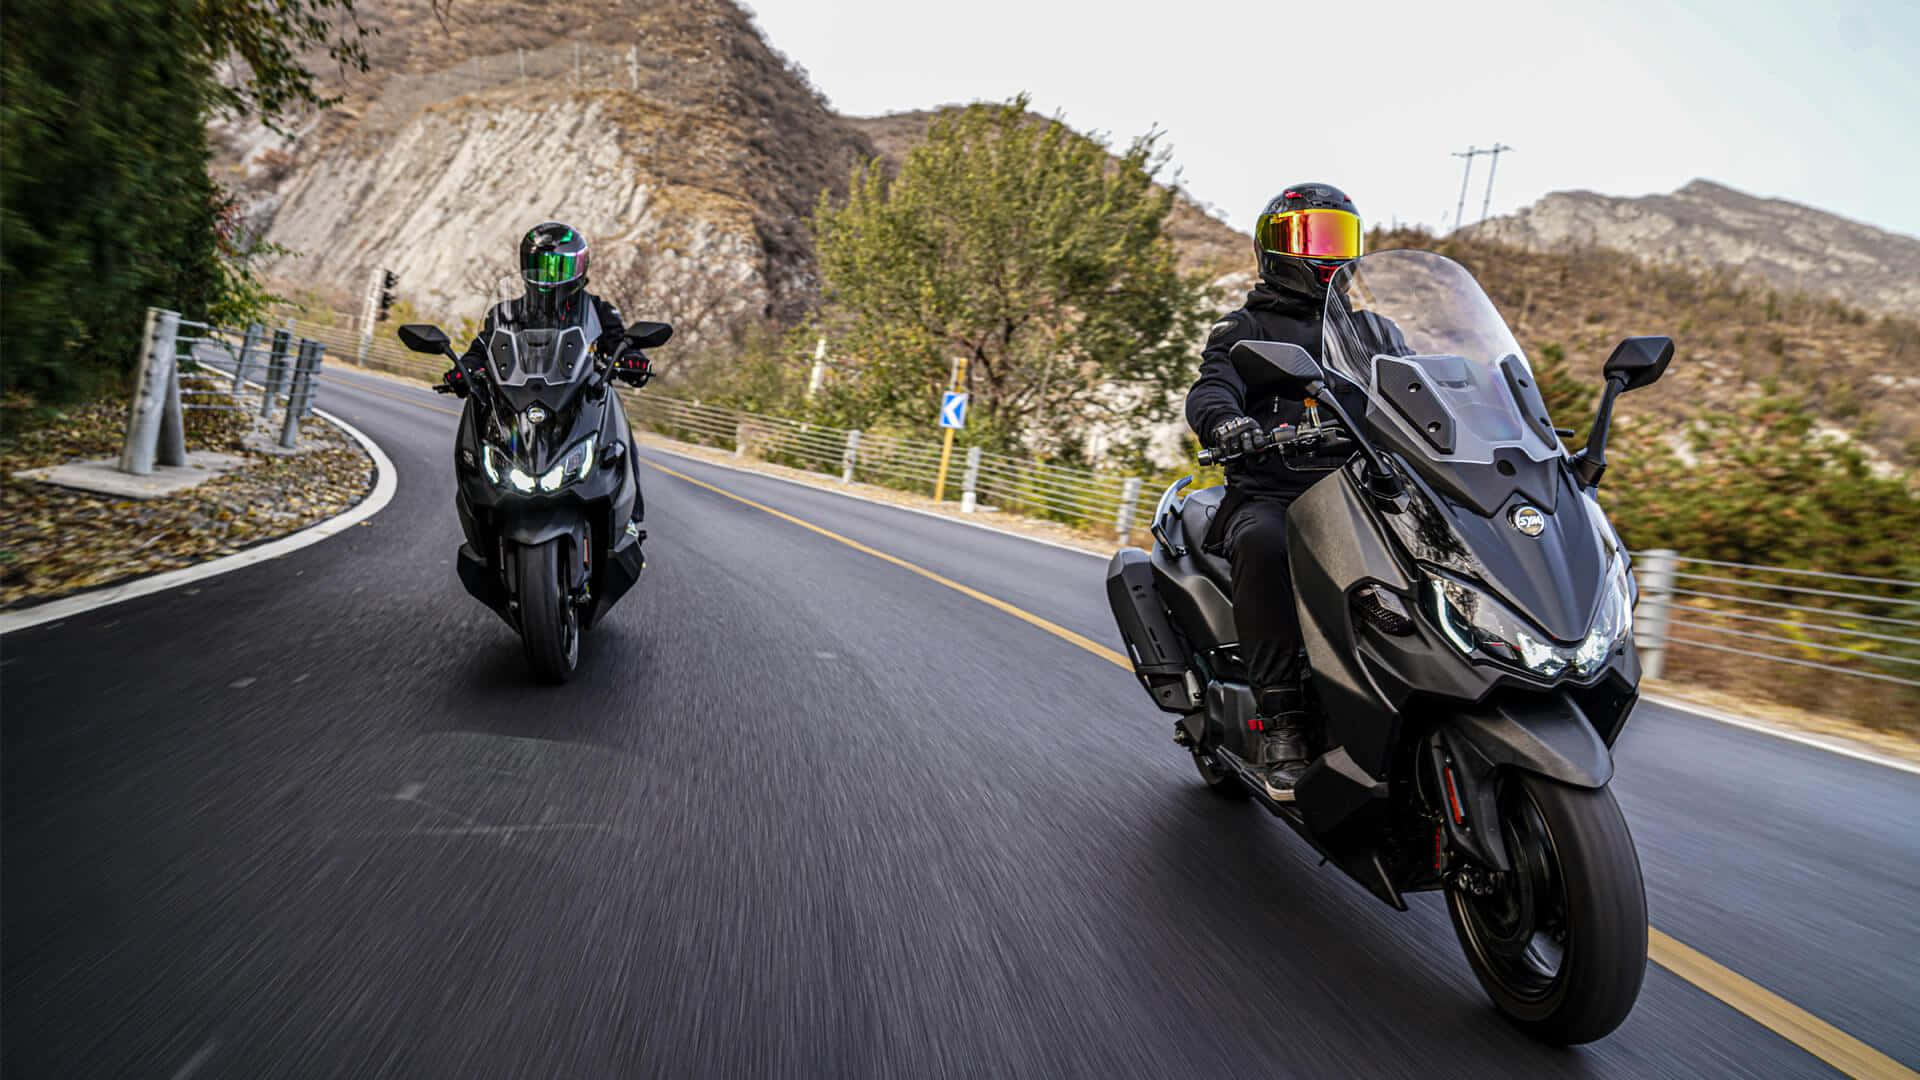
(1529, 520)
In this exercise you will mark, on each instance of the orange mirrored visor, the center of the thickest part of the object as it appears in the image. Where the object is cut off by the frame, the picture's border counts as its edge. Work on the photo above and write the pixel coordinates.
(1311, 234)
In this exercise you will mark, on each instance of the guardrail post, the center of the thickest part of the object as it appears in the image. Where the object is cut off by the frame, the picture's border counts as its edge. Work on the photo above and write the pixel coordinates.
(276, 363)
(300, 392)
(1129, 502)
(970, 483)
(1655, 570)
(310, 392)
(248, 346)
(156, 428)
(850, 458)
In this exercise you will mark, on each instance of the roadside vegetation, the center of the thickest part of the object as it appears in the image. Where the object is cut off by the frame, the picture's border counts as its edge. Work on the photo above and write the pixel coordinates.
(106, 204)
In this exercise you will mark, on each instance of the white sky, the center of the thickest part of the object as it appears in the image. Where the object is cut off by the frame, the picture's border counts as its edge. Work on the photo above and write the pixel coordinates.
(1811, 101)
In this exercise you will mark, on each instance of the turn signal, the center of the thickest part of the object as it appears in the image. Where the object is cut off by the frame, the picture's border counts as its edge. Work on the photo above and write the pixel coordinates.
(1384, 609)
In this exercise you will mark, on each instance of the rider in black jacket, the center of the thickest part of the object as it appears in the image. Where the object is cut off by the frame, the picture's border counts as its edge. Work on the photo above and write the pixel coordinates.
(553, 262)
(1301, 238)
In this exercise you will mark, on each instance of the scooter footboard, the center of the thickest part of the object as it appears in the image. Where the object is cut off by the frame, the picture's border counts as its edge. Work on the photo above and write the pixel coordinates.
(1159, 655)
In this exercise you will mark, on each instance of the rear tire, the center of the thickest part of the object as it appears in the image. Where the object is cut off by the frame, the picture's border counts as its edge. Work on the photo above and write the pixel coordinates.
(549, 624)
(1561, 944)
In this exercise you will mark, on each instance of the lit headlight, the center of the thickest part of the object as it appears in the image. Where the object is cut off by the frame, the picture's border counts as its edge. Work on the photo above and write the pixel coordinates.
(1479, 625)
(577, 463)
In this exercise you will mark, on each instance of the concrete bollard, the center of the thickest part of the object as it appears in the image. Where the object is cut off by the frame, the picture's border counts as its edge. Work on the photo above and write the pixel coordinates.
(970, 482)
(156, 427)
(850, 458)
(1654, 570)
(1129, 503)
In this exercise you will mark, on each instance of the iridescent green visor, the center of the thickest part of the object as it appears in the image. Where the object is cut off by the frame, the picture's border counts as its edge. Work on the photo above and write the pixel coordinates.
(549, 268)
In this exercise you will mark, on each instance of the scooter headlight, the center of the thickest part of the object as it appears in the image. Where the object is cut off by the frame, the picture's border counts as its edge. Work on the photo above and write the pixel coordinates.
(1478, 625)
(575, 465)
(494, 462)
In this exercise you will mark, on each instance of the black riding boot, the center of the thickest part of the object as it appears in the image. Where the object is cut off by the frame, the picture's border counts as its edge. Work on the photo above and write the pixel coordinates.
(1286, 750)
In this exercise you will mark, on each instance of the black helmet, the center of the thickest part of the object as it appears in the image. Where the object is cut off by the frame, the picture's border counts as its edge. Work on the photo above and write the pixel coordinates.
(1305, 233)
(553, 260)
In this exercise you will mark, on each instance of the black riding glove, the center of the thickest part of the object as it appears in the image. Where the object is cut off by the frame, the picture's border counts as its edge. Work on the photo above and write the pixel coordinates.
(1240, 435)
(633, 368)
(455, 382)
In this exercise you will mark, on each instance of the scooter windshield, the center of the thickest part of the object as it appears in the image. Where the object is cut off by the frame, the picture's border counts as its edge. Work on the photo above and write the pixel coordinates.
(539, 342)
(1449, 384)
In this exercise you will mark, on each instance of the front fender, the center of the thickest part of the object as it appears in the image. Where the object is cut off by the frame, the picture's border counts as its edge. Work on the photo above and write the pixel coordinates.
(529, 525)
(1548, 735)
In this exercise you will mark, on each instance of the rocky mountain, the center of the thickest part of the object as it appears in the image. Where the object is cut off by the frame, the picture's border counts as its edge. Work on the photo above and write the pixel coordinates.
(669, 131)
(666, 130)
(1788, 247)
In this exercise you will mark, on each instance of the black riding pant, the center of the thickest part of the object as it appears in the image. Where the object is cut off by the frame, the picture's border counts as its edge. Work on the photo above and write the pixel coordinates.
(1263, 611)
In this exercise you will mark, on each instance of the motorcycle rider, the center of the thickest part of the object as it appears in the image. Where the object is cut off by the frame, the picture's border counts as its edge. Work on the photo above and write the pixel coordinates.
(553, 264)
(1301, 238)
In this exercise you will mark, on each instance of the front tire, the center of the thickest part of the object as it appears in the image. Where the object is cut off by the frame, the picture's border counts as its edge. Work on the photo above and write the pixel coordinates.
(1560, 943)
(549, 623)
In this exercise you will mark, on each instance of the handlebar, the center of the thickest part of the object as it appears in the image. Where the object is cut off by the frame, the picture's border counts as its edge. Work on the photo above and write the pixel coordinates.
(1323, 441)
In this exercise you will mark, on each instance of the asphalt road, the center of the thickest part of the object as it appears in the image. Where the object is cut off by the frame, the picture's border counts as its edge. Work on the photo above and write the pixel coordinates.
(801, 812)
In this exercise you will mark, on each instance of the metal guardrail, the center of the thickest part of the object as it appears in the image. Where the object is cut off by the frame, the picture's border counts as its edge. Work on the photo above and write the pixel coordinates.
(1846, 624)
(988, 481)
(194, 365)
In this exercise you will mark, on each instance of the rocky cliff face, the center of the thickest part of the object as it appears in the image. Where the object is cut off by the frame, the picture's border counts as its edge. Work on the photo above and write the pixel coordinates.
(1788, 247)
(668, 131)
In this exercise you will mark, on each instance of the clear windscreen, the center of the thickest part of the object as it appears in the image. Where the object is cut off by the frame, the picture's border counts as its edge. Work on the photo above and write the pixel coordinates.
(533, 342)
(1416, 330)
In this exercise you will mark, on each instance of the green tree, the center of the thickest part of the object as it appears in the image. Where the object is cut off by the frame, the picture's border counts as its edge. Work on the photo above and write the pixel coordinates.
(1024, 247)
(106, 207)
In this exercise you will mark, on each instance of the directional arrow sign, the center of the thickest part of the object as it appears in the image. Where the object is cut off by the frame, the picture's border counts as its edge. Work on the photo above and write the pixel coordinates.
(953, 410)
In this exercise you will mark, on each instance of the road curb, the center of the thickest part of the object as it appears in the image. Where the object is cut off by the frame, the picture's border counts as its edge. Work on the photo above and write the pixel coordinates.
(384, 484)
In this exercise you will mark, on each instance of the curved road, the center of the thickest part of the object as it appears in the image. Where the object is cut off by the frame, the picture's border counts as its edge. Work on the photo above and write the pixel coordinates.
(803, 812)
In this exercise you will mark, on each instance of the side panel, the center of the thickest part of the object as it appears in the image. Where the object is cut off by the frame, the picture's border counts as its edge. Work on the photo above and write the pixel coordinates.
(1159, 654)
(1334, 547)
(1199, 607)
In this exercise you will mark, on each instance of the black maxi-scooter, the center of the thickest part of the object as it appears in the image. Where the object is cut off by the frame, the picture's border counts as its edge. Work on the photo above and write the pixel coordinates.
(546, 481)
(1466, 609)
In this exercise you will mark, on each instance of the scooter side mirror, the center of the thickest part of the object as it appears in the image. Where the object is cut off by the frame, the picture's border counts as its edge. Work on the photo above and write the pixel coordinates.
(423, 338)
(649, 335)
(1639, 361)
(1278, 366)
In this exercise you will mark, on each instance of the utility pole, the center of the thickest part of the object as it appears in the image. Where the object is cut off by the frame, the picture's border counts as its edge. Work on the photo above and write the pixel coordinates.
(1498, 149)
(1461, 210)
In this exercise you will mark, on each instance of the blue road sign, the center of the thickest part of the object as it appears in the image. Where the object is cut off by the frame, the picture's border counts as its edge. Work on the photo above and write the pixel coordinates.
(953, 410)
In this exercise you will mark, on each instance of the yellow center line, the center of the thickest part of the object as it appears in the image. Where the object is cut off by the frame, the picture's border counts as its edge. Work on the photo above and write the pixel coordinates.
(1763, 1006)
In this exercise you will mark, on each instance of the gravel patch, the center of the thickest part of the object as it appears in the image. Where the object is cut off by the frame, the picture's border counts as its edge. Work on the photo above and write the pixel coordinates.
(55, 541)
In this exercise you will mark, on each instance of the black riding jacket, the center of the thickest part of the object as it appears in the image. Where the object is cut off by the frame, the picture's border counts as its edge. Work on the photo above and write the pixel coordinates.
(612, 327)
(1220, 394)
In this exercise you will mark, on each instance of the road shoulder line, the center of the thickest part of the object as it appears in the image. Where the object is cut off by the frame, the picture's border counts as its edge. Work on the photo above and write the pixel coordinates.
(384, 485)
(1831, 746)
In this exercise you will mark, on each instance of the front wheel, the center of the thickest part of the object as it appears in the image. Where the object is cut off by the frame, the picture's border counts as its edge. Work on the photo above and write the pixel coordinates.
(1559, 942)
(549, 624)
